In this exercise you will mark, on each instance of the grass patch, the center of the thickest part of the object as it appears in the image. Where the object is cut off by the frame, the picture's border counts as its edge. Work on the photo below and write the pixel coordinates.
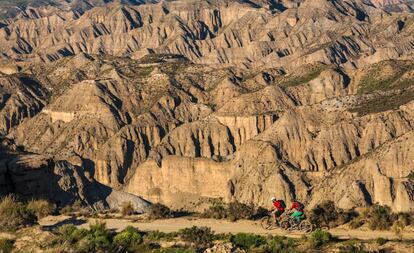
(385, 76)
(41, 208)
(385, 103)
(310, 74)
(14, 214)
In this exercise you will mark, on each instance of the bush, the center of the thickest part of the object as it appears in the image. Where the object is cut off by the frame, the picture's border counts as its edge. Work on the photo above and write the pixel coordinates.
(97, 238)
(247, 241)
(379, 217)
(280, 244)
(128, 238)
(381, 241)
(14, 214)
(6, 245)
(233, 211)
(41, 208)
(127, 208)
(159, 211)
(327, 215)
(319, 238)
(237, 210)
(200, 236)
(71, 235)
(158, 236)
(216, 211)
(352, 247)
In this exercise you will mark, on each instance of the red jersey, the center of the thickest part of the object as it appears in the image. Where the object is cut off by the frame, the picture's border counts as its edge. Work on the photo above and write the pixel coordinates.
(279, 205)
(298, 206)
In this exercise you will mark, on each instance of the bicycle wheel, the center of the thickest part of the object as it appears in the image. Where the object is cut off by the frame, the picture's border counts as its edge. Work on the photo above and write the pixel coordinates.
(266, 223)
(306, 227)
(285, 224)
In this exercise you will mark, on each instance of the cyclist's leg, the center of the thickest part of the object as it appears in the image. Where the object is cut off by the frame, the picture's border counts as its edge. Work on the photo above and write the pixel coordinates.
(297, 215)
(274, 215)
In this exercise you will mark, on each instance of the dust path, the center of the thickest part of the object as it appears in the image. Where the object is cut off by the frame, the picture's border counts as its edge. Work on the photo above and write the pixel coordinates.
(219, 226)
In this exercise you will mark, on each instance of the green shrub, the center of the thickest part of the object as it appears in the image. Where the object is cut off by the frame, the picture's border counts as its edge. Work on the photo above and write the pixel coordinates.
(127, 208)
(247, 241)
(174, 250)
(6, 245)
(158, 236)
(279, 244)
(159, 211)
(320, 238)
(381, 241)
(41, 208)
(14, 214)
(70, 234)
(200, 236)
(127, 238)
(97, 238)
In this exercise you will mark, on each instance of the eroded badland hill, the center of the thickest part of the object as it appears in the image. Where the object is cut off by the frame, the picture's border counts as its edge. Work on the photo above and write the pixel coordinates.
(174, 101)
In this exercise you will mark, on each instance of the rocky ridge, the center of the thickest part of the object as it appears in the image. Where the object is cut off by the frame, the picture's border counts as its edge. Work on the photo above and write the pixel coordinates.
(236, 101)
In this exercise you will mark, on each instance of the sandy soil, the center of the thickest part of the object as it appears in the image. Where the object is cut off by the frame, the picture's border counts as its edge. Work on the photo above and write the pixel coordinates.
(219, 226)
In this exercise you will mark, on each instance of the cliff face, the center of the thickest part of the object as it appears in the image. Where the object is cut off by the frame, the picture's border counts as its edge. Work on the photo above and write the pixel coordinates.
(177, 101)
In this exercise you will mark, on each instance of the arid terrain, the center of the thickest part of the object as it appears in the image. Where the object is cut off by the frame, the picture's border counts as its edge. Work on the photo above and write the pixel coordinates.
(181, 102)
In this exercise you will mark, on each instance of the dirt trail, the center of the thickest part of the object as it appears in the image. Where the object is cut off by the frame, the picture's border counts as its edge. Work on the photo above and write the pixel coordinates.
(219, 226)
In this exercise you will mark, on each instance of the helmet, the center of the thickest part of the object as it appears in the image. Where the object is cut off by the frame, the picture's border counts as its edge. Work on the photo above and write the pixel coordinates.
(273, 199)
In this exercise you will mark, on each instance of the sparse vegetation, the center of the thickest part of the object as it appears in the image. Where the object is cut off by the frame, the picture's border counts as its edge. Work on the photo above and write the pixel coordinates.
(6, 245)
(14, 214)
(378, 217)
(232, 211)
(41, 208)
(319, 238)
(127, 239)
(352, 246)
(304, 77)
(385, 76)
(127, 209)
(411, 176)
(328, 215)
(384, 103)
(159, 211)
(201, 237)
(247, 241)
(381, 241)
(77, 206)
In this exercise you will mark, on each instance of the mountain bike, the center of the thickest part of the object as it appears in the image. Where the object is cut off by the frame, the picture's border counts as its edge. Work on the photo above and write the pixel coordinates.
(291, 224)
(268, 223)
